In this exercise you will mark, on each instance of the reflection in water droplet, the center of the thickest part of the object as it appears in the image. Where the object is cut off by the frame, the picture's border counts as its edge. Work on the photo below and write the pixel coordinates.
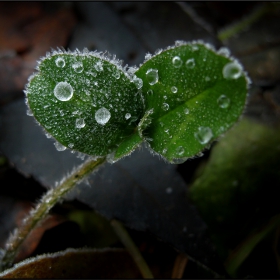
(127, 116)
(180, 151)
(63, 91)
(165, 106)
(60, 62)
(186, 111)
(223, 101)
(80, 123)
(203, 135)
(59, 147)
(177, 61)
(102, 116)
(174, 89)
(232, 71)
(190, 63)
(152, 76)
(78, 67)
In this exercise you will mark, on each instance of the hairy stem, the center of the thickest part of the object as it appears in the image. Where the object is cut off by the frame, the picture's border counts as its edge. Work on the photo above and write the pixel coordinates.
(43, 207)
(133, 250)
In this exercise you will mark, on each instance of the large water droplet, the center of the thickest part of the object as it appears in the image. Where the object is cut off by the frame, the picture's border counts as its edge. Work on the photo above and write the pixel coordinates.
(63, 91)
(60, 62)
(78, 67)
(232, 71)
(177, 61)
(59, 147)
(223, 101)
(127, 116)
(203, 135)
(165, 106)
(102, 116)
(190, 63)
(80, 123)
(174, 89)
(152, 76)
(180, 151)
(138, 82)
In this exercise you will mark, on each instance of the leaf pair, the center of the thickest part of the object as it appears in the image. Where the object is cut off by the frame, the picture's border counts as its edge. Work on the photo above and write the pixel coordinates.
(178, 101)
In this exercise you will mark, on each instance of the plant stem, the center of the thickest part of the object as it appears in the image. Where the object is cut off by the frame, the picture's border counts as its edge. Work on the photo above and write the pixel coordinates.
(43, 207)
(133, 250)
(179, 266)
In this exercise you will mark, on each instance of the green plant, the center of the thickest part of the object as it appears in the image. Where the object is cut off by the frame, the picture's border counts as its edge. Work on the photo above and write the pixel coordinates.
(178, 102)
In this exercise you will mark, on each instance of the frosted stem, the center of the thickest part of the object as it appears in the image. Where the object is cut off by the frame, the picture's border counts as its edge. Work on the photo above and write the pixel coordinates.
(43, 207)
(132, 249)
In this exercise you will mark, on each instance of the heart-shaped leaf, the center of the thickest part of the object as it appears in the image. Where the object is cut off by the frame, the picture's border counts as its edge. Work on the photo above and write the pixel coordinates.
(196, 95)
(86, 101)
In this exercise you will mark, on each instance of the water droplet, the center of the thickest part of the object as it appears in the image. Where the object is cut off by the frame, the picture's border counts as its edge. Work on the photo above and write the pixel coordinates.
(195, 48)
(127, 116)
(29, 112)
(190, 63)
(174, 89)
(138, 82)
(203, 135)
(117, 75)
(186, 111)
(63, 91)
(207, 79)
(60, 62)
(180, 151)
(98, 66)
(102, 116)
(165, 106)
(48, 135)
(78, 67)
(152, 76)
(164, 151)
(80, 123)
(71, 145)
(223, 101)
(177, 61)
(169, 190)
(232, 70)
(150, 91)
(59, 147)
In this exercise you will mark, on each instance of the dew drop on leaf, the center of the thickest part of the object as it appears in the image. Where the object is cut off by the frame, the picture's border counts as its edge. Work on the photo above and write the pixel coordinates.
(59, 147)
(78, 67)
(223, 101)
(152, 76)
(174, 89)
(190, 63)
(29, 112)
(177, 61)
(186, 111)
(71, 145)
(117, 75)
(165, 106)
(203, 135)
(63, 91)
(127, 116)
(180, 151)
(98, 66)
(150, 91)
(80, 123)
(60, 62)
(138, 82)
(232, 70)
(102, 116)
(207, 79)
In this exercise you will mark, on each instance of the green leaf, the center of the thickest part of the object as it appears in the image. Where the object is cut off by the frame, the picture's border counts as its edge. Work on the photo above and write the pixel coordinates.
(196, 95)
(86, 101)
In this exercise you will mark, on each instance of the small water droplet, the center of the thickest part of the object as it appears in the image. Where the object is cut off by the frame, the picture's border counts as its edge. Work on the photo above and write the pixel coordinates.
(71, 145)
(152, 76)
(138, 82)
(164, 151)
(232, 71)
(98, 66)
(174, 89)
(29, 112)
(180, 151)
(59, 147)
(186, 111)
(223, 101)
(117, 74)
(80, 123)
(207, 79)
(60, 62)
(102, 116)
(127, 116)
(195, 48)
(63, 91)
(165, 106)
(78, 67)
(203, 135)
(190, 63)
(150, 91)
(177, 61)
